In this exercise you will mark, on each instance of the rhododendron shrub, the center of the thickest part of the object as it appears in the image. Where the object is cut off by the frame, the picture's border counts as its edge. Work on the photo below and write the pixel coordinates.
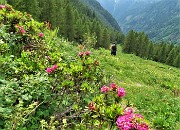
(105, 89)
(121, 92)
(131, 121)
(108, 109)
(51, 69)
(23, 31)
(41, 86)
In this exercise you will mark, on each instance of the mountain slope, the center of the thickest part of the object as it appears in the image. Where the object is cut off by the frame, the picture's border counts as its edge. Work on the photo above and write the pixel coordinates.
(149, 85)
(46, 82)
(102, 13)
(74, 18)
(157, 18)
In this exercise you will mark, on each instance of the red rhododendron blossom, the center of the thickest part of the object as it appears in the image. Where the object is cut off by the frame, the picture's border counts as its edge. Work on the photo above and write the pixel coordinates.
(121, 92)
(113, 86)
(91, 106)
(22, 31)
(81, 54)
(54, 67)
(49, 70)
(88, 53)
(2, 6)
(41, 34)
(105, 89)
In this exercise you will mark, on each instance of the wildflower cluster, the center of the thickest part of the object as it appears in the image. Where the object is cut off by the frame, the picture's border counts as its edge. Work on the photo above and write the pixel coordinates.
(81, 54)
(131, 121)
(21, 29)
(41, 34)
(2, 6)
(51, 69)
(108, 107)
(120, 91)
(91, 106)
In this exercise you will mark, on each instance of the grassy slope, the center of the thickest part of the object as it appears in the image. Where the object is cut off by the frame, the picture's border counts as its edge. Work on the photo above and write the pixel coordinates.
(149, 85)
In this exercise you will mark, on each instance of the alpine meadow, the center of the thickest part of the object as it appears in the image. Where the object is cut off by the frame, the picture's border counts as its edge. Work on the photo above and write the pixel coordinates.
(57, 71)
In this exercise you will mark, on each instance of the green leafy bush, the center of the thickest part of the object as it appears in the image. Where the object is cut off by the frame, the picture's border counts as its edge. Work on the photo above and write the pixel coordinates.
(43, 88)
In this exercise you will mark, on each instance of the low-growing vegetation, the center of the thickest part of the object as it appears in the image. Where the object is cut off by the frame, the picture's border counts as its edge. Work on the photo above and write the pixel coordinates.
(49, 83)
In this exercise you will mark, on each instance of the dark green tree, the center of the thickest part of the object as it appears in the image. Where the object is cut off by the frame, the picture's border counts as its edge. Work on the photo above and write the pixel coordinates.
(170, 58)
(129, 42)
(150, 50)
(98, 32)
(162, 53)
(176, 62)
(106, 39)
(69, 23)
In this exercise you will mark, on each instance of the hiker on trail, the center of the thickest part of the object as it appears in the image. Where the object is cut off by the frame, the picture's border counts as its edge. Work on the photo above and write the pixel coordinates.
(113, 49)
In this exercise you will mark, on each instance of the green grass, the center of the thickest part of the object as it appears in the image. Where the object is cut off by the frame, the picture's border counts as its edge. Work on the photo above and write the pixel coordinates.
(153, 88)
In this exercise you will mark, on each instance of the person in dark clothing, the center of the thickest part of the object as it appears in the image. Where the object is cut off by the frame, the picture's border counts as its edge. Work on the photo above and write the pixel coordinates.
(113, 49)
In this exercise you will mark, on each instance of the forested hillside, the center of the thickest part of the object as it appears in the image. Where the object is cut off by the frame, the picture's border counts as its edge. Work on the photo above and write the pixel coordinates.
(74, 19)
(157, 18)
(102, 13)
(139, 44)
(50, 83)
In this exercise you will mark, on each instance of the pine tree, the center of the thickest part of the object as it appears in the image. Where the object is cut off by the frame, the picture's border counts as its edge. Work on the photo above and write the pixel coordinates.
(150, 51)
(98, 32)
(106, 39)
(176, 62)
(29, 6)
(33, 8)
(129, 41)
(45, 10)
(53, 16)
(144, 45)
(69, 21)
(162, 53)
(138, 45)
(170, 58)
(168, 48)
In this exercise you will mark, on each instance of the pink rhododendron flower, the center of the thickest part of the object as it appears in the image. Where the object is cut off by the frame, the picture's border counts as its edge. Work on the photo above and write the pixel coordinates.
(142, 126)
(124, 122)
(80, 54)
(130, 121)
(105, 89)
(2, 6)
(49, 70)
(22, 31)
(41, 34)
(113, 86)
(121, 92)
(88, 53)
(54, 67)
